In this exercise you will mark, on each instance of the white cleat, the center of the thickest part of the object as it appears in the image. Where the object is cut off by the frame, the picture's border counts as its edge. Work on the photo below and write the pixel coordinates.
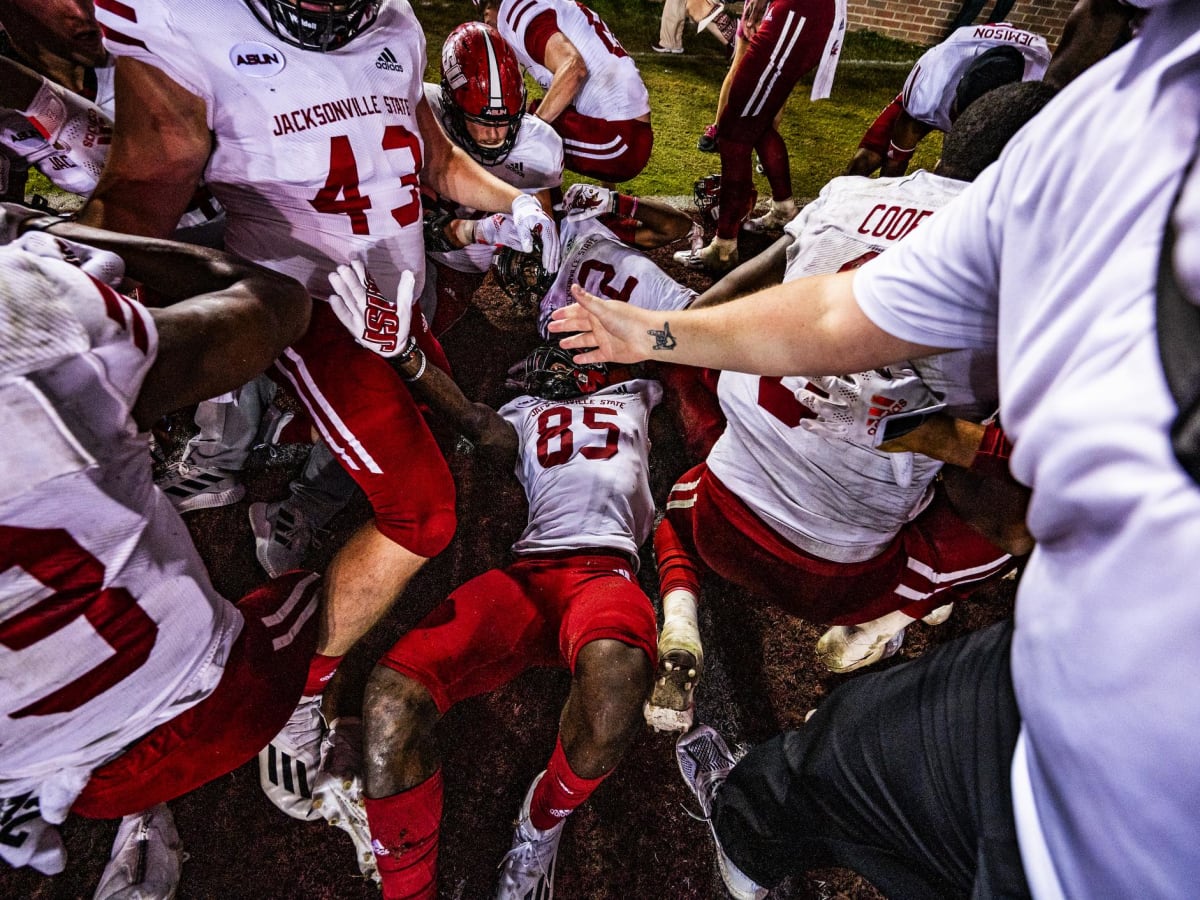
(288, 766)
(705, 762)
(527, 870)
(845, 648)
(776, 217)
(337, 792)
(147, 858)
(680, 664)
(939, 615)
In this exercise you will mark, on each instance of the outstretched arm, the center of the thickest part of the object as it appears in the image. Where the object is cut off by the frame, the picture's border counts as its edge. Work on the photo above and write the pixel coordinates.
(228, 319)
(808, 325)
(477, 421)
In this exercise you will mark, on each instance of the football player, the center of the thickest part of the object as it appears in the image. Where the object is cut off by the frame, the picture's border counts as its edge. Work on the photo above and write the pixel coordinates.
(309, 123)
(128, 679)
(795, 501)
(595, 98)
(944, 82)
(783, 41)
(481, 104)
(577, 438)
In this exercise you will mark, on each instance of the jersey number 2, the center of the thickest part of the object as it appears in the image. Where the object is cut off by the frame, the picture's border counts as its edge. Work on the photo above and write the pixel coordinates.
(341, 196)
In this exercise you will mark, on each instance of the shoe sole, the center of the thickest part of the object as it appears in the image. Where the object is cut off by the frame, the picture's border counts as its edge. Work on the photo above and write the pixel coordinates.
(210, 499)
(671, 701)
(830, 657)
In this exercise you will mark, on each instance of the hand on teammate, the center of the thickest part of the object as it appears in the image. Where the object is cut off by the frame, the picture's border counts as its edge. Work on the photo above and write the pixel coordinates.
(856, 407)
(532, 222)
(377, 323)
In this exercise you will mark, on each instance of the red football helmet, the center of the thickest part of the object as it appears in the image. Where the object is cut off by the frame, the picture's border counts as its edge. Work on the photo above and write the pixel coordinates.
(481, 84)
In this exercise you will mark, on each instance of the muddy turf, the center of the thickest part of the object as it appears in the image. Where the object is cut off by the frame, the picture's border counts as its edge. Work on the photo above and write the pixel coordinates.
(635, 837)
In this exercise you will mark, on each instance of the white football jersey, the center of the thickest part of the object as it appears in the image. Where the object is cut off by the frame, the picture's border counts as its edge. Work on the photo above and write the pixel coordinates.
(613, 89)
(596, 258)
(584, 464)
(534, 164)
(316, 156)
(835, 499)
(929, 91)
(109, 625)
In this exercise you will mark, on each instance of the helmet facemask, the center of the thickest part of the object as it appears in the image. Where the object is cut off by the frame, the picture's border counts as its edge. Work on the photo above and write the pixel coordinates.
(315, 24)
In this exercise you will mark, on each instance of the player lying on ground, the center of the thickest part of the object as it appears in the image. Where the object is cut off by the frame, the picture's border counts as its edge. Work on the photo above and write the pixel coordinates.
(577, 438)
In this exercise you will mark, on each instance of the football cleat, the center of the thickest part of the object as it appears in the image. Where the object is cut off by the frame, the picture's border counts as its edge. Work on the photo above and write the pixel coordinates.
(282, 536)
(337, 790)
(719, 256)
(147, 858)
(191, 487)
(939, 615)
(708, 141)
(527, 870)
(845, 648)
(776, 217)
(288, 766)
(705, 762)
(680, 663)
(659, 48)
(482, 84)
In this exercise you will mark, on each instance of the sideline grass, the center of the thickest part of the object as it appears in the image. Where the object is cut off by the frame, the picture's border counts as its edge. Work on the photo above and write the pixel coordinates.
(821, 137)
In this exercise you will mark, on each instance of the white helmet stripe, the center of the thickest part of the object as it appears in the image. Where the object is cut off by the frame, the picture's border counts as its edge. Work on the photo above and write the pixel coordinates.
(495, 91)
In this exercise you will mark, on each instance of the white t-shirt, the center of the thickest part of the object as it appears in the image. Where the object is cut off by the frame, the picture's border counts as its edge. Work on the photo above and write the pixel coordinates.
(316, 155)
(928, 93)
(585, 467)
(534, 164)
(123, 628)
(1051, 256)
(593, 256)
(613, 89)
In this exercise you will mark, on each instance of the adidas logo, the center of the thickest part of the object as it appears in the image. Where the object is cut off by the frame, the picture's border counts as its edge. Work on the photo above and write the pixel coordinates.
(518, 167)
(387, 60)
(286, 772)
(378, 849)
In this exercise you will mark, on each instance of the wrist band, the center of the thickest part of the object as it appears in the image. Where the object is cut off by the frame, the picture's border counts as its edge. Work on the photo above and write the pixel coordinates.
(410, 348)
(895, 152)
(420, 369)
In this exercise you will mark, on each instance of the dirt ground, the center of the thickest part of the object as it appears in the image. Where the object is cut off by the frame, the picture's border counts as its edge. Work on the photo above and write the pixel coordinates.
(634, 838)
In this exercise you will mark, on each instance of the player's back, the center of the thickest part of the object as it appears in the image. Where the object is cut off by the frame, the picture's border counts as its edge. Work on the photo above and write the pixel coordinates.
(613, 89)
(584, 464)
(928, 93)
(109, 622)
(596, 258)
(316, 155)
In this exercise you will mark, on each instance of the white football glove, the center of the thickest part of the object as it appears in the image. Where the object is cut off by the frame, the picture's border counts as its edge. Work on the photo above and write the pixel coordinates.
(499, 230)
(856, 407)
(379, 324)
(68, 140)
(103, 265)
(531, 221)
(586, 201)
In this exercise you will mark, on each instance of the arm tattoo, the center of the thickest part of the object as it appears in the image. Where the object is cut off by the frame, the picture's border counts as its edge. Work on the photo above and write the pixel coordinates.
(663, 340)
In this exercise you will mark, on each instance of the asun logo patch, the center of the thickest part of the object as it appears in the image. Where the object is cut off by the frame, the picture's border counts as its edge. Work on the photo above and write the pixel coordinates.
(387, 60)
(256, 59)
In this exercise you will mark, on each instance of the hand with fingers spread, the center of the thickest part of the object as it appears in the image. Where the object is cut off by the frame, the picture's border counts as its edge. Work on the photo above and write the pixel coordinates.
(379, 324)
(867, 408)
(532, 223)
(609, 330)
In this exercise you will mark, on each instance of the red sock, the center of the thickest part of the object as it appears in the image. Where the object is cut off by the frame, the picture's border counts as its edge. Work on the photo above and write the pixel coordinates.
(676, 568)
(404, 830)
(320, 670)
(560, 792)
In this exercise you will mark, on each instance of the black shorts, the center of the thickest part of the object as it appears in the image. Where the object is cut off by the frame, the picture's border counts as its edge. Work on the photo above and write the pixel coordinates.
(902, 776)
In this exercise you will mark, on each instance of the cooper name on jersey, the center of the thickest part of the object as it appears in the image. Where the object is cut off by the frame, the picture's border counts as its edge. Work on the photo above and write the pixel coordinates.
(333, 111)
